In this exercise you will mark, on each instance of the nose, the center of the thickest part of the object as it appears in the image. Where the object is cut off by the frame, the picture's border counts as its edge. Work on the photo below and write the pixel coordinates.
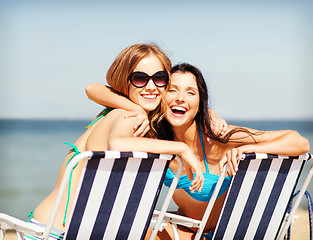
(151, 86)
(180, 97)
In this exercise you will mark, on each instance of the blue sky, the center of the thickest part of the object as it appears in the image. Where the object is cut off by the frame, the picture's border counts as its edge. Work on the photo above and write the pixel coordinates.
(257, 58)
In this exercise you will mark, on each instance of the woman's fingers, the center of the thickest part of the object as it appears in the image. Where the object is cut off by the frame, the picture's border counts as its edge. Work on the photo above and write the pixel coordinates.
(219, 127)
(131, 114)
(230, 165)
(142, 129)
(197, 183)
(232, 157)
(224, 127)
(141, 126)
(189, 174)
(222, 163)
(191, 165)
(216, 128)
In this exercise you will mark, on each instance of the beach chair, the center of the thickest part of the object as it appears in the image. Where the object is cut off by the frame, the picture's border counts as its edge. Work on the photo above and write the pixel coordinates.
(117, 196)
(256, 201)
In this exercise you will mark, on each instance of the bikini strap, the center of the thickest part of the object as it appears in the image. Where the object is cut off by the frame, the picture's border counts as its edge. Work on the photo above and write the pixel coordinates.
(205, 160)
(30, 215)
(76, 152)
(102, 114)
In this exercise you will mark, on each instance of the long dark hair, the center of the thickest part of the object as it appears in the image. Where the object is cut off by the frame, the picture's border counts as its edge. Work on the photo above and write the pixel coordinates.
(203, 118)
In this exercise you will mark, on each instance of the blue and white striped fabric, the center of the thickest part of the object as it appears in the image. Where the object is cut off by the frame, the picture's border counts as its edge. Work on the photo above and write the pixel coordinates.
(117, 195)
(258, 197)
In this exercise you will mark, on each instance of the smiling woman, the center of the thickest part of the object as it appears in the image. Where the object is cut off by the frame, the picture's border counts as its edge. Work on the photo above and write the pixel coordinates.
(184, 114)
(183, 88)
(185, 118)
(112, 131)
(147, 94)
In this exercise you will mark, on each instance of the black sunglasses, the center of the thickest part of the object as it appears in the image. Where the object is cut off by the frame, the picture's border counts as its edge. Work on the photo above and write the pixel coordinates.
(141, 79)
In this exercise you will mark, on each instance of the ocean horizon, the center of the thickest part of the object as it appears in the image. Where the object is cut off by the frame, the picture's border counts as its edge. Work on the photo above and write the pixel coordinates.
(32, 151)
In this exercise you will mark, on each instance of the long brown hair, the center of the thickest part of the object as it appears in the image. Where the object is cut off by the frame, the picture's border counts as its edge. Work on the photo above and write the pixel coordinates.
(126, 62)
(124, 65)
(203, 118)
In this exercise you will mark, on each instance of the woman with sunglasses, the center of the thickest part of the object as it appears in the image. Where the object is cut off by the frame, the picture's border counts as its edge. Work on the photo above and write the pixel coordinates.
(107, 97)
(112, 131)
(184, 118)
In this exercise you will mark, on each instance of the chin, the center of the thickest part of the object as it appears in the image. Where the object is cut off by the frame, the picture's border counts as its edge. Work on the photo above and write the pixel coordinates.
(149, 108)
(176, 122)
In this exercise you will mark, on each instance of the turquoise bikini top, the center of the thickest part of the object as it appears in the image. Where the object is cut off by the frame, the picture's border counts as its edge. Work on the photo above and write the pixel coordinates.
(210, 181)
(101, 115)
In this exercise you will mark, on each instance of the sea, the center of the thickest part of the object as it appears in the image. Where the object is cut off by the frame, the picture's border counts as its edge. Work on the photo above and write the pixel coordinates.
(32, 151)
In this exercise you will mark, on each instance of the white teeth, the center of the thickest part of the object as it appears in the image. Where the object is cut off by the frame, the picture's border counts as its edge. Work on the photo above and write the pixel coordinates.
(150, 96)
(179, 108)
(179, 111)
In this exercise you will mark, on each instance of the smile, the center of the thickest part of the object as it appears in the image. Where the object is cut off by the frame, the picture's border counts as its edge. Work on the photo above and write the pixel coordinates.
(149, 96)
(178, 110)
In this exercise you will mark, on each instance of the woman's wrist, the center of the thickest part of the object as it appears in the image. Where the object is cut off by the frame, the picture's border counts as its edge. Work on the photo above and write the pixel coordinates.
(249, 148)
(184, 149)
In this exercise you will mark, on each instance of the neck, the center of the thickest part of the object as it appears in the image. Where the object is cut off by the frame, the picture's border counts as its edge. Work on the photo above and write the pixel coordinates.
(190, 136)
(186, 134)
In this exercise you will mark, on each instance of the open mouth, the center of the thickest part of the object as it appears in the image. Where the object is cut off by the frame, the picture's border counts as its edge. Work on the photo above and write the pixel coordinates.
(177, 110)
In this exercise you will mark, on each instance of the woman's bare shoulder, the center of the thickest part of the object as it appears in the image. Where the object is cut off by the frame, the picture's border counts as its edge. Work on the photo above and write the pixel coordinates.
(117, 112)
(102, 129)
(116, 118)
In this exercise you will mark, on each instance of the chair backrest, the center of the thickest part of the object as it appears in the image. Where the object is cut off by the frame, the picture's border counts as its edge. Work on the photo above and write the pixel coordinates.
(258, 197)
(118, 193)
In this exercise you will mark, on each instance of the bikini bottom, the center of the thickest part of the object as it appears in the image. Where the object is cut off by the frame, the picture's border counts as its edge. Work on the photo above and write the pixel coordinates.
(204, 236)
(55, 234)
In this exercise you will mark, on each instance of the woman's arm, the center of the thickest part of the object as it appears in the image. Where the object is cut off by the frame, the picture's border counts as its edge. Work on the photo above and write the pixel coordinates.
(107, 97)
(283, 142)
(218, 125)
(287, 142)
(120, 138)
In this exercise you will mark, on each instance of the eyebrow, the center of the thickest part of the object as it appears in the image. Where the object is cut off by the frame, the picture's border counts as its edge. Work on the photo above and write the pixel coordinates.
(188, 88)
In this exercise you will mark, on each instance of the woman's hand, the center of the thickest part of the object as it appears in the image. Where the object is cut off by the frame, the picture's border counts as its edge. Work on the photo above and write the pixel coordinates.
(233, 156)
(192, 165)
(141, 126)
(218, 125)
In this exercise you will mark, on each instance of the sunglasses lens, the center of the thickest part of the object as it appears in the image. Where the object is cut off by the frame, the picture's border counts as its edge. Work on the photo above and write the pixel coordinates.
(160, 79)
(139, 79)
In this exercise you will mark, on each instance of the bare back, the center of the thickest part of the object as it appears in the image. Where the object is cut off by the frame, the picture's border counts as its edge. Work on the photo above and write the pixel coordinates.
(95, 138)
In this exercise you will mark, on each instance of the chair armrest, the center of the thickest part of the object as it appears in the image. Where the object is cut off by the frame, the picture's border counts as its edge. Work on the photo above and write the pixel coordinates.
(177, 219)
(8, 222)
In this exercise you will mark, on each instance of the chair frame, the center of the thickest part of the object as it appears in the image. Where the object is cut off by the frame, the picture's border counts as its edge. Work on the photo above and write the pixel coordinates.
(291, 215)
(200, 224)
(7, 222)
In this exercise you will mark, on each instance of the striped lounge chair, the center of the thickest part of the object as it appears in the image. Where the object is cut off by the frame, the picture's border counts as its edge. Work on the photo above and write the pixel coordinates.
(117, 196)
(257, 199)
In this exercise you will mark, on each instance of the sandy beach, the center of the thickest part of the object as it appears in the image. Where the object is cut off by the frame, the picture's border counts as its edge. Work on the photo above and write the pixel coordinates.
(299, 229)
